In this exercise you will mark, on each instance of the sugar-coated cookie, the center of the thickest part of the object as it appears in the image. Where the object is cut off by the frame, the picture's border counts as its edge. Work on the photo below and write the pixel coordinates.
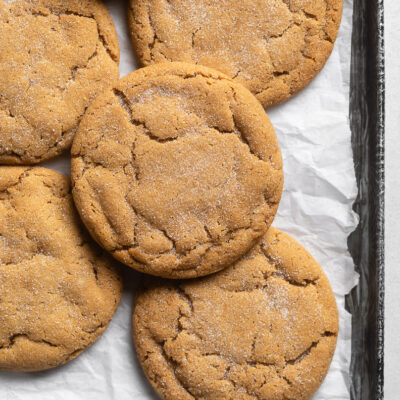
(58, 289)
(262, 329)
(55, 57)
(176, 171)
(273, 47)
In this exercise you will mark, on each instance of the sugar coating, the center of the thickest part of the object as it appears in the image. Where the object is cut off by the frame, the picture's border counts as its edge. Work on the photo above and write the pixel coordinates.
(177, 170)
(56, 55)
(273, 47)
(58, 290)
(264, 328)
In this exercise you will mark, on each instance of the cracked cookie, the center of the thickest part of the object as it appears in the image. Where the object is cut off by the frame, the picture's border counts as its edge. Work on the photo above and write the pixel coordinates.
(58, 289)
(55, 57)
(176, 171)
(273, 47)
(264, 328)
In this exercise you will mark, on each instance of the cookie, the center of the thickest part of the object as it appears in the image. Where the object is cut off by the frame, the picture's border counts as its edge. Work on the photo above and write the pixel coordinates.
(55, 57)
(58, 290)
(264, 328)
(273, 47)
(176, 171)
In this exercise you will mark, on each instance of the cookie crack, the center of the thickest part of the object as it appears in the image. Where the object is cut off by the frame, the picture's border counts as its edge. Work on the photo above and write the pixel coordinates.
(95, 271)
(24, 175)
(304, 284)
(165, 56)
(94, 330)
(279, 273)
(237, 73)
(185, 296)
(307, 352)
(101, 37)
(16, 263)
(306, 56)
(77, 68)
(155, 39)
(194, 33)
(124, 102)
(73, 354)
(13, 339)
(173, 367)
(212, 245)
(310, 16)
(278, 74)
(163, 231)
(237, 131)
(61, 195)
(279, 35)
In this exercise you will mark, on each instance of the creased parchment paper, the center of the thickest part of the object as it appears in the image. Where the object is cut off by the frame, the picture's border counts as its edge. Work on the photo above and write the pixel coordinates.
(320, 187)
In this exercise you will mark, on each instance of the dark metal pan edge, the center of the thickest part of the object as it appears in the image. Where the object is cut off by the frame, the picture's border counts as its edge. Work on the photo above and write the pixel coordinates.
(366, 244)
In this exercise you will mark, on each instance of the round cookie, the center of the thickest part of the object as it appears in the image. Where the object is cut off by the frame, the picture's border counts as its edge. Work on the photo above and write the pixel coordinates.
(58, 290)
(273, 47)
(56, 56)
(264, 328)
(176, 171)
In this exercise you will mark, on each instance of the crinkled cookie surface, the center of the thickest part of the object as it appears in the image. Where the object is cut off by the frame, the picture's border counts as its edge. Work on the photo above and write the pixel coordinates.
(262, 329)
(58, 289)
(55, 57)
(273, 47)
(176, 171)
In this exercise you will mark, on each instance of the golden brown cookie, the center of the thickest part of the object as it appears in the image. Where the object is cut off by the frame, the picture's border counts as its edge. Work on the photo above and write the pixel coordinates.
(273, 47)
(176, 171)
(55, 57)
(264, 328)
(58, 290)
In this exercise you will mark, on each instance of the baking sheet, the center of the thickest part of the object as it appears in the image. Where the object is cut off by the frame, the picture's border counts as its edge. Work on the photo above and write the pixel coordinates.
(366, 244)
(320, 187)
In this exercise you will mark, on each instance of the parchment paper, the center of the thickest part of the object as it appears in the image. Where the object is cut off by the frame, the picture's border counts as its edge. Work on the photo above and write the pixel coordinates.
(320, 187)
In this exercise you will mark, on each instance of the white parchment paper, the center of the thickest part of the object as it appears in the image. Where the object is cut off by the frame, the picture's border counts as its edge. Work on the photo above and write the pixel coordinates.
(316, 208)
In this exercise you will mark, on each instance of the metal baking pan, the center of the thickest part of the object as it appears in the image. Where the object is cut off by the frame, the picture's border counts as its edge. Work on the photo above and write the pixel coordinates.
(366, 244)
